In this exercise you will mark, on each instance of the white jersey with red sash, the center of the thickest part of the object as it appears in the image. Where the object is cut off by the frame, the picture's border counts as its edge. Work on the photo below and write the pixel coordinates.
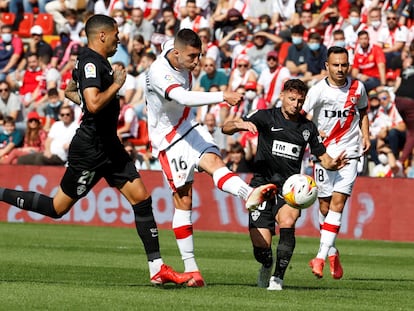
(335, 112)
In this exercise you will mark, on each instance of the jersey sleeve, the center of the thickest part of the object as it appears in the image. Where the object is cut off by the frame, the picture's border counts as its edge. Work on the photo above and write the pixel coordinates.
(89, 74)
(315, 142)
(363, 99)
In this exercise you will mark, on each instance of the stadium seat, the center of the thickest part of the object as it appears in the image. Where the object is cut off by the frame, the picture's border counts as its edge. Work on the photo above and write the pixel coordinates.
(26, 23)
(45, 20)
(142, 137)
(8, 18)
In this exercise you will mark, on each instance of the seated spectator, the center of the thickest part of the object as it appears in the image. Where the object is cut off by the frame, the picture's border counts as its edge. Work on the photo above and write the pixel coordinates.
(296, 60)
(52, 108)
(209, 48)
(61, 52)
(57, 142)
(369, 63)
(355, 26)
(37, 45)
(210, 122)
(338, 38)
(10, 138)
(65, 75)
(58, 8)
(234, 44)
(375, 24)
(389, 166)
(141, 26)
(271, 80)
(169, 24)
(136, 157)
(127, 120)
(316, 60)
(73, 24)
(193, 20)
(212, 76)
(11, 51)
(34, 140)
(392, 133)
(10, 105)
(237, 161)
(136, 50)
(241, 74)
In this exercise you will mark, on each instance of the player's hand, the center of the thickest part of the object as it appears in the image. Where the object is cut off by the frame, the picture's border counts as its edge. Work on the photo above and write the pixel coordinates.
(366, 144)
(341, 160)
(120, 76)
(246, 126)
(232, 98)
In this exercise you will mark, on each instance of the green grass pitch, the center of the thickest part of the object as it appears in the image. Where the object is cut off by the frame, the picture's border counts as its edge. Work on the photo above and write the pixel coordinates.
(62, 267)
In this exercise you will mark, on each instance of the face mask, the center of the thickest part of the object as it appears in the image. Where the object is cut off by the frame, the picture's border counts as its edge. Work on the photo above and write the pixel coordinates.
(264, 26)
(333, 20)
(376, 24)
(297, 40)
(84, 40)
(383, 158)
(314, 46)
(250, 95)
(339, 43)
(354, 21)
(119, 20)
(6, 37)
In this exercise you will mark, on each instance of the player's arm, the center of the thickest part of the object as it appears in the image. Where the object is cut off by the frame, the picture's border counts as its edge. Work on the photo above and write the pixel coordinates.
(364, 125)
(95, 100)
(333, 163)
(232, 126)
(71, 92)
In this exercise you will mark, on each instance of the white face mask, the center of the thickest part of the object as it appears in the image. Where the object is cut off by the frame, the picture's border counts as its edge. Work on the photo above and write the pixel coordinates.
(6, 37)
(383, 158)
(376, 24)
(119, 20)
(250, 95)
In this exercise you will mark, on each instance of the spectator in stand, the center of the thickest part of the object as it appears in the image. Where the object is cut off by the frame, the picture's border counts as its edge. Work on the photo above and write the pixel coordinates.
(369, 63)
(34, 140)
(305, 18)
(334, 22)
(127, 120)
(194, 20)
(105, 7)
(263, 43)
(150, 8)
(355, 26)
(388, 165)
(393, 39)
(271, 80)
(208, 48)
(136, 50)
(219, 16)
(241, 74)
(57, 142)
(11, 51)
(213, 76)
(296, 60)
(10, 138)
(57, 9)
(52, 108)
(62, 51)
(392, 133)
(375, 24)
(10, 105)
(136, 157)
(37, 45)
(33, 86)
(124, 28)
(210, 122)
(28, 5)
(279, 10)
(169, 24)
(66, 73)
(338, 37)
(238, 162)
(375, 124)
(235, 43)
(405, 102)
(316, 60)
(73, 24)
(141, 26)
(252, 100)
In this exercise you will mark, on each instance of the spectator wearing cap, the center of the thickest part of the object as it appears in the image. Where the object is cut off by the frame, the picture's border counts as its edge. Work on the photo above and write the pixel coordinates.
(242, 74)
(271, 80)
(252, 99)
(36, 43)
(227, 29)
(316, 59)
(11, 51)
(263, 42)
(34, 139)
(298, 52)
(212, 76)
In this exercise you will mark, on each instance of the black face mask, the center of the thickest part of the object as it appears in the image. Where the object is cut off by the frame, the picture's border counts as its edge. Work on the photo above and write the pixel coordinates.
(333, 20)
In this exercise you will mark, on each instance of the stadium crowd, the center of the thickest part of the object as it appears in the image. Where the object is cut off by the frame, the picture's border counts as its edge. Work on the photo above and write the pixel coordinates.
(249, 46)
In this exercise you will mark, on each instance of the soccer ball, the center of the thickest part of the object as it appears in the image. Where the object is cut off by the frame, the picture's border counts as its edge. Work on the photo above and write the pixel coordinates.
(300, 191)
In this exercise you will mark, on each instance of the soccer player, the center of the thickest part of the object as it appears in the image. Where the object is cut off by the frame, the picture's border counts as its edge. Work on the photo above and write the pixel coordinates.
(283, 136)
(338, 107)
(182, 145)
(96, 152)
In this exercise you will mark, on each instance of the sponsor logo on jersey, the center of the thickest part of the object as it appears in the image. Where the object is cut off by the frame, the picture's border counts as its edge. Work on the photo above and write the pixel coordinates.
(286, 150)
(339, 113)
(273, 129)
(90, 70)
(169, 77)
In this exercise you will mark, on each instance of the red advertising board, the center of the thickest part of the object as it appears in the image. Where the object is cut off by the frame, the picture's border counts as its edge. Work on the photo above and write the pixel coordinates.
(379, 208)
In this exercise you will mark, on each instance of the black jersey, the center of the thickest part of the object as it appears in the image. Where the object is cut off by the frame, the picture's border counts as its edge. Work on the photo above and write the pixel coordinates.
(96, 140)
(281, 145)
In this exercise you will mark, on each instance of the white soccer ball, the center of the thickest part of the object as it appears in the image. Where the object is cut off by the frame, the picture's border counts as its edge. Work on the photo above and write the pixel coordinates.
(300, 191)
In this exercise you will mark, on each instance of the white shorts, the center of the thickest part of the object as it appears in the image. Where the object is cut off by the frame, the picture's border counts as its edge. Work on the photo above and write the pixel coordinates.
(341, 181)
(180, 160)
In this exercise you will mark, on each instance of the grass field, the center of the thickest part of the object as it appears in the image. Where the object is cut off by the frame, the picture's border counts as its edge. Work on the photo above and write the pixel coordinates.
(61, 267)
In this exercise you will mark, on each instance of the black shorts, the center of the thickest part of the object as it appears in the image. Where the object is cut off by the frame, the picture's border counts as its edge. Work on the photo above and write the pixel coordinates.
(77, 183)
(265, 215)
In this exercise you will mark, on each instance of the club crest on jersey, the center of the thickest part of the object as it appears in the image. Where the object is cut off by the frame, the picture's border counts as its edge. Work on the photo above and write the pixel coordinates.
(80, 189)
(306, 134)
(255, 215)
(90, 70)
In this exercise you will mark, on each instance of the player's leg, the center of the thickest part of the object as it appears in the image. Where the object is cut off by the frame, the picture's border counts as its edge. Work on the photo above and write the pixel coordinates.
(228, 181)
(286, 218)
(136, 193)
(261, 230)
